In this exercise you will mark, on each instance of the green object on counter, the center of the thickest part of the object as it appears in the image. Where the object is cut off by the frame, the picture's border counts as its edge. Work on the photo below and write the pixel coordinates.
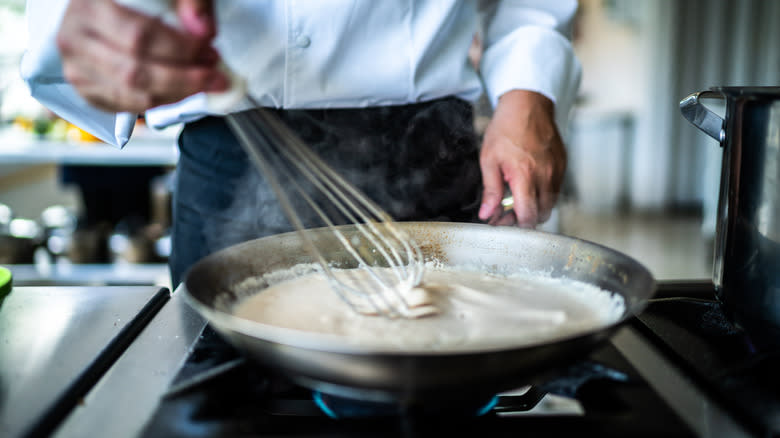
(5, 283)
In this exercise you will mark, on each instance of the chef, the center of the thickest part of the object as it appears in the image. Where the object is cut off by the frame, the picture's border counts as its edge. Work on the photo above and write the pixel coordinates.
(382, 89)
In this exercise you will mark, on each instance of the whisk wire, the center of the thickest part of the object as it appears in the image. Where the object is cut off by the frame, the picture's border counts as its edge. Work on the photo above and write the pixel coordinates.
(278, 152)
(331, 184)
(262, 154)
(320, 175)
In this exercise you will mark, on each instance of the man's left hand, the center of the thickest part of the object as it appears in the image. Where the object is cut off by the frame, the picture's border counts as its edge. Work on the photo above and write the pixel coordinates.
(523, 149)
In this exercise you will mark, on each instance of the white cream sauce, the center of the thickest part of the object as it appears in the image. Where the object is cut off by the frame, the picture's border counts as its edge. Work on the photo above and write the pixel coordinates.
(476, 311)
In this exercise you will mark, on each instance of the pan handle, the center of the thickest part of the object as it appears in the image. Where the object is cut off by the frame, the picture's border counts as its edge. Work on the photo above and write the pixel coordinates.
(701, 117)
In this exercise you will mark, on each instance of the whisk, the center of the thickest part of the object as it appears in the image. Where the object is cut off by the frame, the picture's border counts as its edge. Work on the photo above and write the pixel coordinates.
(378, 246)
(391, 261)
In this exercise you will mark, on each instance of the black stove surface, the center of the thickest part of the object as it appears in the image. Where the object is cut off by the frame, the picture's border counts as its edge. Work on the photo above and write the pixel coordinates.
(217, 393)
(690, 328)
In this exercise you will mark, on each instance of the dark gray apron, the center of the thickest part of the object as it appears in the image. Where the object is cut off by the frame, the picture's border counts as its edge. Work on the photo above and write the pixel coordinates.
(418, 162)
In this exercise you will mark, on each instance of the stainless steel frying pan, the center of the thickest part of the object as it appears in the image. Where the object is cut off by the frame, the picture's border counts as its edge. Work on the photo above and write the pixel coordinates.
(324, 364)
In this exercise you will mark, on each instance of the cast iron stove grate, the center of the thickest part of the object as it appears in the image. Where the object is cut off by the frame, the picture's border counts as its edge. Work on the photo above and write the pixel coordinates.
(219, 394)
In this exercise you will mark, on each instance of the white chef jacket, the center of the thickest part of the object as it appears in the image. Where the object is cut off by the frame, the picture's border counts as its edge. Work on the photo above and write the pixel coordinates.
(345, 54)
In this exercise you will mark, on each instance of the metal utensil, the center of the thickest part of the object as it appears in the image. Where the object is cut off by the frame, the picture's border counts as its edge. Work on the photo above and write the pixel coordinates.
(392, 262)
(288, 165)
(335, 366)
(747, 241)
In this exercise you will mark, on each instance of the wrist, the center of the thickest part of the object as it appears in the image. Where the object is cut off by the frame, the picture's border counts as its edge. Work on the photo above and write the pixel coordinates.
(525, 100)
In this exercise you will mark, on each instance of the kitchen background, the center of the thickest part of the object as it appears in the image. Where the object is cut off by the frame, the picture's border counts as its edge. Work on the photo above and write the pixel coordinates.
(641, 179)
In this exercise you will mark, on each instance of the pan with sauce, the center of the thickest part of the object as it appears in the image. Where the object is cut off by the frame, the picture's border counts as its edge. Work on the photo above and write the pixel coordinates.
(475, 311)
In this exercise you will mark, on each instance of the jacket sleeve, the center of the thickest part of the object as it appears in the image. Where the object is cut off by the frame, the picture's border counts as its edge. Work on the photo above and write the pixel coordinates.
(41, 69)
(527, 45)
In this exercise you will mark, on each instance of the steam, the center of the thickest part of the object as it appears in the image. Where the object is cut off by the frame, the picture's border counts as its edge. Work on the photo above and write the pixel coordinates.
(418, 162)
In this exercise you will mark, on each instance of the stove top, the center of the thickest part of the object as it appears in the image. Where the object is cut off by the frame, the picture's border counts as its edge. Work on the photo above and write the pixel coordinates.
(678, 369)
(219, 394)
(692, 331)
(606, 394)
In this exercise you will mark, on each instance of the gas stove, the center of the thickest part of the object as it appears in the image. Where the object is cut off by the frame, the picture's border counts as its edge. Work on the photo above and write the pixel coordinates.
(678, 369)
(218, 393)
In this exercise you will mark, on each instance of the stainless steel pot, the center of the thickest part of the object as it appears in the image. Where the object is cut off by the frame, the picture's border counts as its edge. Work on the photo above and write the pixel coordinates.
(746, 269)
(337, 368)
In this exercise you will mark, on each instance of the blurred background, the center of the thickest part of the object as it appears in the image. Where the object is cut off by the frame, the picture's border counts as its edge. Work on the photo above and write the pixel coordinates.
(640, 178)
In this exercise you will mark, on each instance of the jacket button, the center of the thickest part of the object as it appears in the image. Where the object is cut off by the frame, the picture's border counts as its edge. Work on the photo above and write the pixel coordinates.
(302, 41)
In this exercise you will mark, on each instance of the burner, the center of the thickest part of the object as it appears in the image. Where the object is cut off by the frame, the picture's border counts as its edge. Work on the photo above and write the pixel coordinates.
(342, 407)
(218, 393)
(570, 381)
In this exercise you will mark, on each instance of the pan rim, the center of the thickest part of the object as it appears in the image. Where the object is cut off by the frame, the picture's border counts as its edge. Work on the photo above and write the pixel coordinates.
(321, 342)
(325, 343)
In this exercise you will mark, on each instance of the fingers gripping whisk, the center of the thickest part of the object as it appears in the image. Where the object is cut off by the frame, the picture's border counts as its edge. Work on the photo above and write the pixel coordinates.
(384, 265)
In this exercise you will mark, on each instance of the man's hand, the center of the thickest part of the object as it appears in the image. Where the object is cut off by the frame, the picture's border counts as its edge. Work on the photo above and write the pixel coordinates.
(522, 148)
(122, 60)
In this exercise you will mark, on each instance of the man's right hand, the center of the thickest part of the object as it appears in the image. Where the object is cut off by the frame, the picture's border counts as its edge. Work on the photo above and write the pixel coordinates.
(122, 60)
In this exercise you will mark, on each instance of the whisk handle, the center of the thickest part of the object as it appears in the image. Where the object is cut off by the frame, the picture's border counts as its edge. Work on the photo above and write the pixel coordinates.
(217, 102)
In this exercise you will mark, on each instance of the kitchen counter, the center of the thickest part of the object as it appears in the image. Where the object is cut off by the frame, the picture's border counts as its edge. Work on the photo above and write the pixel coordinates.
(55, 343)
(113, 274)
(146, 148)
(139, 378)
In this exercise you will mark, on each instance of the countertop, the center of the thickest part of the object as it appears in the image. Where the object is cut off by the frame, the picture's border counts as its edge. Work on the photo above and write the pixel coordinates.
(113, 274)
(145, 148)
(55, 342)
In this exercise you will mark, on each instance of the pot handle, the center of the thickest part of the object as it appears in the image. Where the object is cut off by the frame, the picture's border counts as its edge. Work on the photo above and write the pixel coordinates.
(701, 117)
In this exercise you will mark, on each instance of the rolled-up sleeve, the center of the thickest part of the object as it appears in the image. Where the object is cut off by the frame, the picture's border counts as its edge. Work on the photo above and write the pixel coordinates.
(527, 46)
(41, 69)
